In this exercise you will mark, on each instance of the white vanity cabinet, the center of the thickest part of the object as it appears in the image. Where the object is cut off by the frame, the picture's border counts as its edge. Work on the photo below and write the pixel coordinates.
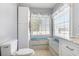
(8, 48)
(68, 48)
(5, 50)
(53, 46)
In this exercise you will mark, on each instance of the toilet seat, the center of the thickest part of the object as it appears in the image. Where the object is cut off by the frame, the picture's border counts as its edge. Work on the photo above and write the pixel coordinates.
(24, 52)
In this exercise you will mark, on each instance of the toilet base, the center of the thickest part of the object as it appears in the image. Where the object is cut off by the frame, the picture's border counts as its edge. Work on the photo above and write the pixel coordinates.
(24, 52)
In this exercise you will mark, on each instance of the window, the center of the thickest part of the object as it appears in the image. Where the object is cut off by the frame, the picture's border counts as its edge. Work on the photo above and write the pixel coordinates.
(40, 24)
(61, 23)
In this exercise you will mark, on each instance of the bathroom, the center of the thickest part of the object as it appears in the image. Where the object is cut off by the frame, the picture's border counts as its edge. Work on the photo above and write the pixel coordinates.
(39, 29)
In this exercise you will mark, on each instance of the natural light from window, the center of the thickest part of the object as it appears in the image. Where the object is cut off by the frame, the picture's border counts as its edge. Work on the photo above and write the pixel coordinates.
(61, 23)
(40, 24)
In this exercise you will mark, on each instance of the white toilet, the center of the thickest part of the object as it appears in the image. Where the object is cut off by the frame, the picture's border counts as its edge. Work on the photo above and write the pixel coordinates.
(24, 52)
(21, 52)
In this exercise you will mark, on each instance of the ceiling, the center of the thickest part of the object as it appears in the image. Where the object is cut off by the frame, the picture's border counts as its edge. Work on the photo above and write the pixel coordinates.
(39, 5)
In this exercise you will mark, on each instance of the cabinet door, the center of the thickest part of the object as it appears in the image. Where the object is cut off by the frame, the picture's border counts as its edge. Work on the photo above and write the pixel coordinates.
(68, 48)
(63, 50)
(6, 50)
(53, 44)
(50, 42)
(66, 53)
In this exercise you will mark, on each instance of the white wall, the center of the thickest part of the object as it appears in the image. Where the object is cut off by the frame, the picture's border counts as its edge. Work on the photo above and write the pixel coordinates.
(8, 20)
(40, 10)
(57, 6)
(75, 19)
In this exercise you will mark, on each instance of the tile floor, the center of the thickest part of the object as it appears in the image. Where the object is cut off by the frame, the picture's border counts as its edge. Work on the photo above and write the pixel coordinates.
(42, 53)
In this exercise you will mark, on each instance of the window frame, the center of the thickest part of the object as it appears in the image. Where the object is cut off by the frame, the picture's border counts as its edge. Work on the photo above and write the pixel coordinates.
(60, 9)
(45, 27)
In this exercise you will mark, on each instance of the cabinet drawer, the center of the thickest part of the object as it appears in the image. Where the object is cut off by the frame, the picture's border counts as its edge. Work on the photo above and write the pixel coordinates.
(66, 50)
(70, 48)
(74, 48)
(66, 53)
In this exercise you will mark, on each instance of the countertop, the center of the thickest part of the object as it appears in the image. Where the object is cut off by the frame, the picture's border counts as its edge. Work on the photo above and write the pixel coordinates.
(73, 39)
(5, 40)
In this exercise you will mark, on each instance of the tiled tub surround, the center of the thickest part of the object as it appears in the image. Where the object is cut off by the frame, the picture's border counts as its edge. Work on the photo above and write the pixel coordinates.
(39, 44)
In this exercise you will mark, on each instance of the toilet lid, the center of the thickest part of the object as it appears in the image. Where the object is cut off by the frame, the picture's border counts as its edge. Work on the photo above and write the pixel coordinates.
(25, 51)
